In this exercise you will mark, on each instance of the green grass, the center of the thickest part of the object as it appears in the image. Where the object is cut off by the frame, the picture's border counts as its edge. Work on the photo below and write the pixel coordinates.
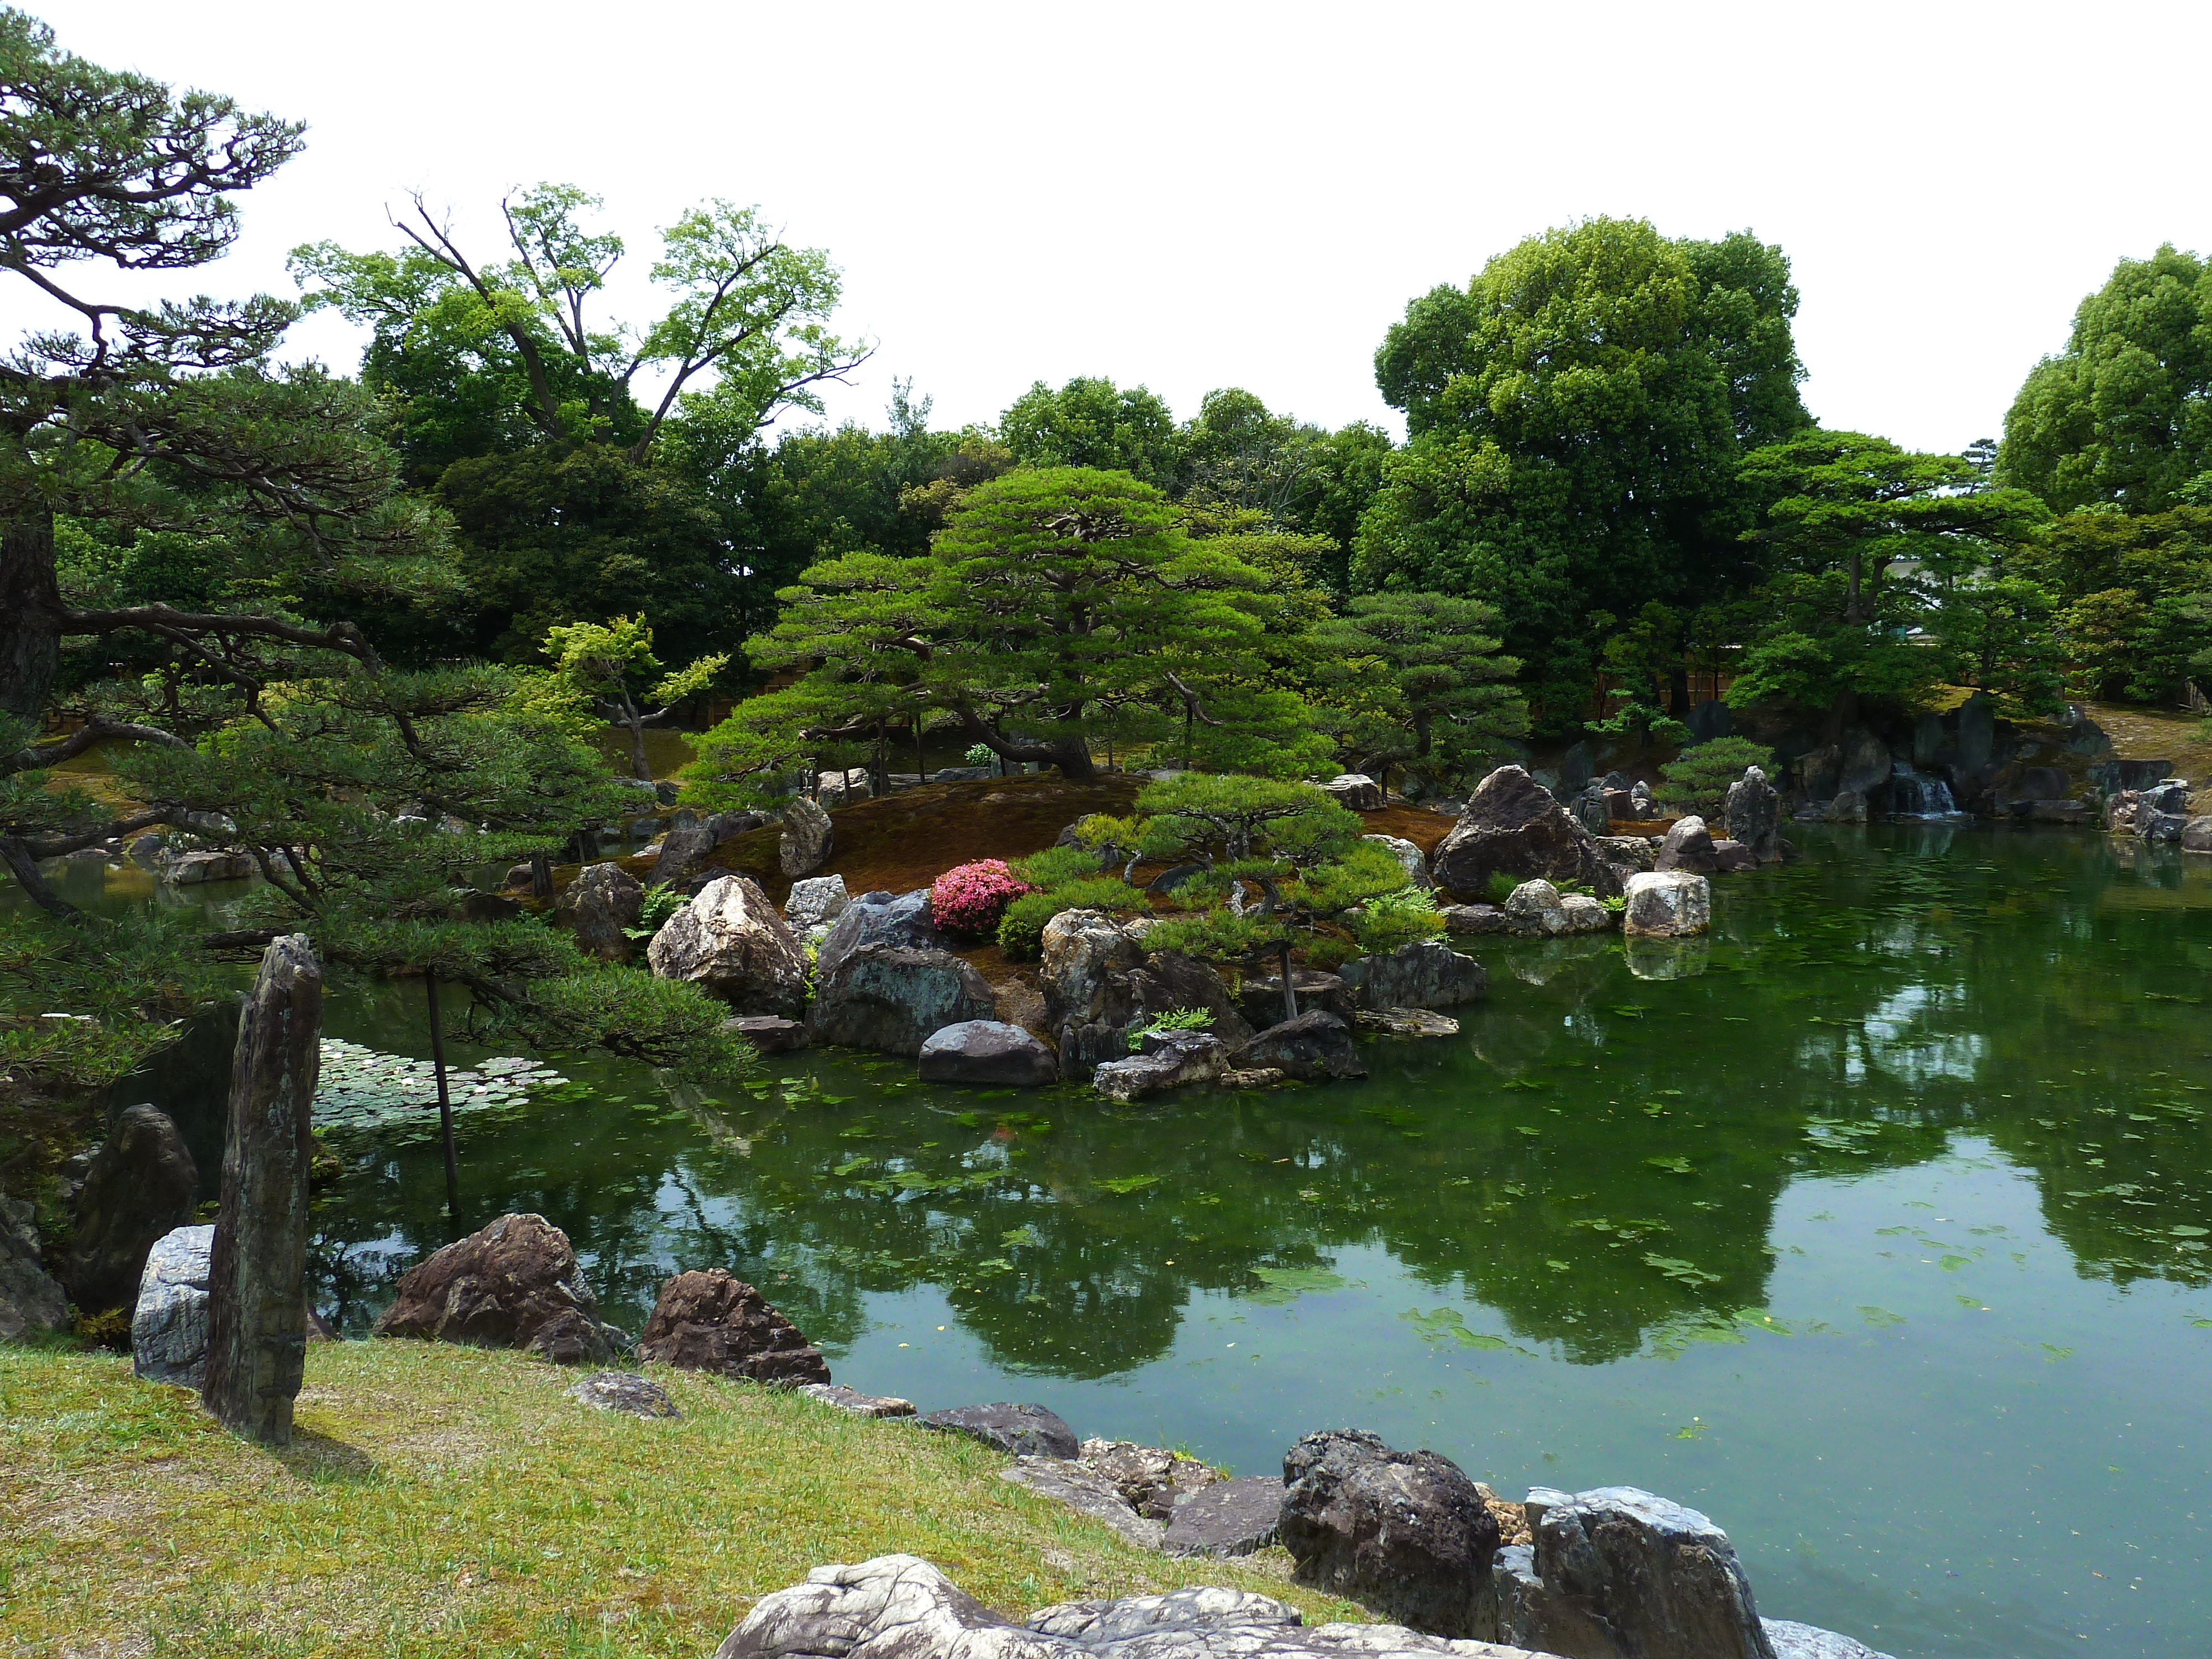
(448, 1502)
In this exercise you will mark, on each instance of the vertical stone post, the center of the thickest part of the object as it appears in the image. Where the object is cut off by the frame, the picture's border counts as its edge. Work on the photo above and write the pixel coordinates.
(257, 1310)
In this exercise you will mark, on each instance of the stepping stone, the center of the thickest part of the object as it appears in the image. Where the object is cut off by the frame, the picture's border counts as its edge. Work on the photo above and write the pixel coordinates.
(852, 1400)
(1231, 1517)
(1023, 1430)
(624, 1391)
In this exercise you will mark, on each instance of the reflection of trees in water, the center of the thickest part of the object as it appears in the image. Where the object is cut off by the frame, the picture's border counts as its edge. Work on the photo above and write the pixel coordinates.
(1597, 1159)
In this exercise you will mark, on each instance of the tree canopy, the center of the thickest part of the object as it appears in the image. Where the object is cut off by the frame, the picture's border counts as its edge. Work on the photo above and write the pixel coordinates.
(2124, 415)
(1576, 419)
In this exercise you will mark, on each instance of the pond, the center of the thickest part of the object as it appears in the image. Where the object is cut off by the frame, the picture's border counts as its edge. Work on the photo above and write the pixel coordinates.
(1881, 1234)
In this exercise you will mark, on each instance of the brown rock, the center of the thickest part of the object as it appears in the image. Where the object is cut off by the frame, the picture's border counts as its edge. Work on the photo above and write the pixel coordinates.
(710, 1322)
(1513, 824)
(511, 1285)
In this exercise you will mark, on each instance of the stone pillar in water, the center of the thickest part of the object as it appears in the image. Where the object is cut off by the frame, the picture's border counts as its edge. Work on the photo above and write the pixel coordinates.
(257, 1311)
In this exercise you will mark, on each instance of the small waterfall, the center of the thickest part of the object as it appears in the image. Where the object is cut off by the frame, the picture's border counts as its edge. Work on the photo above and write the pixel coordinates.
(1919, 795)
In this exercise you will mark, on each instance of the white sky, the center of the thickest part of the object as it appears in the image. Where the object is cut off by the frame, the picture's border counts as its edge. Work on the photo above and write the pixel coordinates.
(1197, 195)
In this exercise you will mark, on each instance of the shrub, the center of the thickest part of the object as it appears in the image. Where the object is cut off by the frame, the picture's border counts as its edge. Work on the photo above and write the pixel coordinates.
(660, 901)
(1021, 930)
(1057, 865)
(980, 754)
(1698, 780)
(970, 898)
(1383, 924)
(1176, 1019)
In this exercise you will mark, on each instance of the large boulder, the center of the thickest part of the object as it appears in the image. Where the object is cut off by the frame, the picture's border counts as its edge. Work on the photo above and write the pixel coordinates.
(515, 1284)
(844, 788)
(879, 918)
(1260, 998)
(142, 1184)
(31, 1301)
(601, 904)
(1099, 986)
(899, 1607)
(683, 851)
(988, 1054)
(1593, 808)
(192, 868)
(1167, 1059)
(1535, 907)
(170, 1325)
(1512, 823)
(2197, 834)
(730, 940)
(1753, 815)
(1424, 974)
(1022, 1430)
(1355, 790)
(771, 1034)
(1667, 904)
(892, 999)
(815, 901)
(1633, 853)
(1315, 1045)
(2136, 812)
(1616, 1571)
(1406, 1533)
(710, 1321)
(1689, 846)
(807, 839)
(1409, 857)
(1151, 1480)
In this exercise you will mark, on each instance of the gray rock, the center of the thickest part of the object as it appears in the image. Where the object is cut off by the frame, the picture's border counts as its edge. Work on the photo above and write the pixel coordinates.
(1405, 1023)
(1640, 1575)
(139, 1186)
(2044, 783)
(1019, 1431)
(683, 851)
(1534, 907)
(772, 1033)
(1732, 858)
(1086, 1493)
(1667, 904)
(989, 1053)
(815, 900)
(892, 999)
(1151, 1480)
(148, 849)
(2171, 796)
(899, 1607)
(1406, 1533)
(1260, 998)
(2197, 834)
(169, 1324)
(2119, 776)
(2135, 813)
(1848, 806)
(1409, 857)
(204, 865)
(1317, 1045)
(603, 901)
(1593, 808)
(731, 941)
(257, 1273)
(2075, 812)
(1513, 825)
(1689, 846)
(31, 1301)
(1474, 919)
(625, 1392)
(844, 788)
(1791, 1640)
(856, 1404)
(879, 918)
(1424, 974)
(806, 842)
(1175, 875)
(1355, 790)
(960, 774)
(1753, 815)
(1169, 1060)
(1229, 1517)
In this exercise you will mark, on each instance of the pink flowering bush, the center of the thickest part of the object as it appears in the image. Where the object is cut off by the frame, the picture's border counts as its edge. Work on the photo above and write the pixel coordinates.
(969, 898)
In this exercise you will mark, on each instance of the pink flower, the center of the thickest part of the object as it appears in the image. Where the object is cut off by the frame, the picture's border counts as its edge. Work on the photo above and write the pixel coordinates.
(970, 898)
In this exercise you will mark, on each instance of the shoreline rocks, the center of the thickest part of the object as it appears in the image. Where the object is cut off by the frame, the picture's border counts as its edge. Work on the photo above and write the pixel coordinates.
(731, 942)
(1667, 904)
(514, 1284)
(1512, 823)
(892, 998)
(710, 1321)
(988, 1054)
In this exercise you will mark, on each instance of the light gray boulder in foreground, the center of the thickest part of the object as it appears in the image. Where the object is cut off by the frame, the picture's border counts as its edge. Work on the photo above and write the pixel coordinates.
(1667, 904)
(899, 1607)
(988, 1054)
(170, 1325)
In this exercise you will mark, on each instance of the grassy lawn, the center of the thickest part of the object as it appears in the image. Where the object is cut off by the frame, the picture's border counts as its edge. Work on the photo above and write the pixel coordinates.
(446, 1501)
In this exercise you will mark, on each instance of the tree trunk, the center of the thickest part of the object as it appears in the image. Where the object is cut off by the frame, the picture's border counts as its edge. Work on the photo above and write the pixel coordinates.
(1678, 691)
(256, 1288)
(25, 868)
(1289, 987)
(640, 766)
(30, 616)
(920, 772)
(445, 1106)
(541, 876)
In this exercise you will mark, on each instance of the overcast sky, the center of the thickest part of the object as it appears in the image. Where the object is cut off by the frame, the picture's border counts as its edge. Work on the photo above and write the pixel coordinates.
(1194, 196)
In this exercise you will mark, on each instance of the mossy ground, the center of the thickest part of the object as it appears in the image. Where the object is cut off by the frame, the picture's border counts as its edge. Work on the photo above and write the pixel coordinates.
(449, 1502)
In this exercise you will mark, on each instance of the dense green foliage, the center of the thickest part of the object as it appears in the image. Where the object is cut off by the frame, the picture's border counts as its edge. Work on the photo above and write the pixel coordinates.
(2124, 415)
(1575, 416)
(1419, 684)
(1698, 780)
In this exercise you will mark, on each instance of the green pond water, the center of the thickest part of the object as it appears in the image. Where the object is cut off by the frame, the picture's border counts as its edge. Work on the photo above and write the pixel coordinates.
(1881, 1232)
